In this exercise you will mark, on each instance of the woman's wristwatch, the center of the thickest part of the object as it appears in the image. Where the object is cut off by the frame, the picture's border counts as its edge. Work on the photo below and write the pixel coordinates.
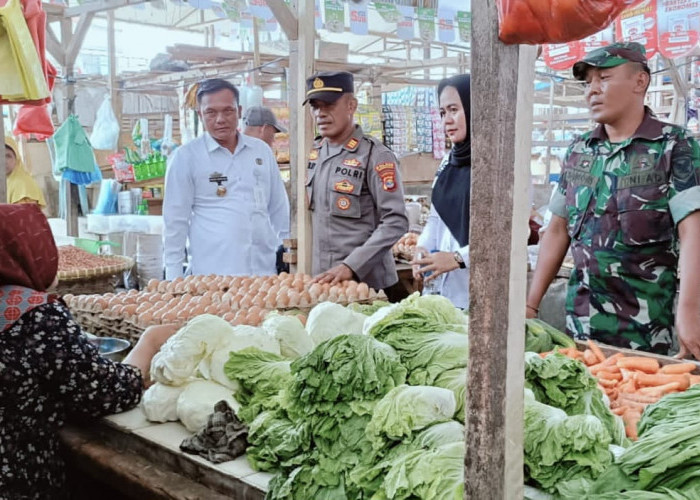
(460, 260)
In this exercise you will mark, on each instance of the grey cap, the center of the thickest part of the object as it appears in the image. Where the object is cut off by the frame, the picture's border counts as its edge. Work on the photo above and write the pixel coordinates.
(257, 116)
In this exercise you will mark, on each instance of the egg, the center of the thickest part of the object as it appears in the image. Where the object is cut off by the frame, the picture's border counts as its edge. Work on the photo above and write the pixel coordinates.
(315, 289)
(294, 298)
(246, 302)
(183, 313)
(169, 317)
(129, 310)
(178, 288)
(166, 296)
(259, 301)
(283, 301)
(363, 291)
(323, 297)
(145, 319)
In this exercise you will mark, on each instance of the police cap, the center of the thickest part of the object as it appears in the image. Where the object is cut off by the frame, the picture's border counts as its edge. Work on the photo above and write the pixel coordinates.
(329, 86)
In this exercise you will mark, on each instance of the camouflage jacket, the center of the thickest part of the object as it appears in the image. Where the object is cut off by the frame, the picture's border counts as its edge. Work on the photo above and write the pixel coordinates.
(622, 202)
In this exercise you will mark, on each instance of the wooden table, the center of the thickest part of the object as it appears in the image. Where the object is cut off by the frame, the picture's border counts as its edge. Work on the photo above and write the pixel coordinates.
(141, 460)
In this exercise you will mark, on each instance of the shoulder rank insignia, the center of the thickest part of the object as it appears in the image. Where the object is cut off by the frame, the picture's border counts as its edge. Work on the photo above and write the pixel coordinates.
(352, 143)
(352, 162)
(313, 155)
(344, 186)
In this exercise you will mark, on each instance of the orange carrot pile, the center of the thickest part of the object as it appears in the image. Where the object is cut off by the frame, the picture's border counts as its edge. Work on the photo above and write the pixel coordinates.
(632, 382)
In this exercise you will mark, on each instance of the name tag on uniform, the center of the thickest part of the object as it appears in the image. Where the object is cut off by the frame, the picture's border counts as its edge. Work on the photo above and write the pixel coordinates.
(344, 186)
(219, 179)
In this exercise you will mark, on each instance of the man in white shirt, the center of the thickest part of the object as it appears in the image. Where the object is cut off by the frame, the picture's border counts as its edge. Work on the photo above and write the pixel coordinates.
(224, 194)
(262, 123)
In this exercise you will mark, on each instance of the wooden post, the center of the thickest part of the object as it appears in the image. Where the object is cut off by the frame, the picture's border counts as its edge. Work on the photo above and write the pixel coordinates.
(550, 123)
(112, 59)
(256, 52)
(3, 180)
(301, 66)
(502, 96)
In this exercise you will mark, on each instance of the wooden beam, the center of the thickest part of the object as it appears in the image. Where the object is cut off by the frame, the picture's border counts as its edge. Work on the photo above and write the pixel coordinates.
(284, 15)
(301, 66)
(54, 46)
(99, 6)
(76, 40)
(502, 88)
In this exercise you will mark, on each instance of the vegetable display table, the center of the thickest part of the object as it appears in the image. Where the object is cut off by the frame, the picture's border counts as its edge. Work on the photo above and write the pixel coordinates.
(140, 459)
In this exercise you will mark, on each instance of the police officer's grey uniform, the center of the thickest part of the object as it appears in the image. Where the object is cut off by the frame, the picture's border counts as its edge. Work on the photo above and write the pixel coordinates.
(357, 208)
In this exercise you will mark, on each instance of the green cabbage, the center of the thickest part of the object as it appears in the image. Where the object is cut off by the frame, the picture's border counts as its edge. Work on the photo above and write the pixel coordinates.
(542, 337)
(346, 368)
(566, 384)
(368, 309)
(424, 314)
(559, 447)
(456, 381)
(312, 481)
(406, 409)
(277, 441)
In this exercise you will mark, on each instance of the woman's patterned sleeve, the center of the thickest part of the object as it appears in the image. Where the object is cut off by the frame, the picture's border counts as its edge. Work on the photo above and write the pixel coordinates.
(87, 383)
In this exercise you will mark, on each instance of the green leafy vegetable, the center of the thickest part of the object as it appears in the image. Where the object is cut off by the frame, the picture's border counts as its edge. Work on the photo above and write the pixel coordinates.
(542, 337)
(277, 441)
(328, 320)
(456, 381)
(291, 334)
(566, 384)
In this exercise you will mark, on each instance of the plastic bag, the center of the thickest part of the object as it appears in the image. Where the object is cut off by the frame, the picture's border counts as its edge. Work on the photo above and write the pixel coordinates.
(105, 132)
(23, 74)
(555, 21)
(34, 120)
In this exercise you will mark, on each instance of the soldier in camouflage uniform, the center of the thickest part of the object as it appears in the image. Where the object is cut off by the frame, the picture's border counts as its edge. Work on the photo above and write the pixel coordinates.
(628, 189)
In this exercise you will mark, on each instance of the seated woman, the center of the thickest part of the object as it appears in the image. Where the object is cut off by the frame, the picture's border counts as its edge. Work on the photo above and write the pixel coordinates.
(442, 253)
(21, 186)
(49, 372)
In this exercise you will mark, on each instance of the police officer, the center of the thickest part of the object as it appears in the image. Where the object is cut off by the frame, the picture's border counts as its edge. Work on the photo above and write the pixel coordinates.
(353, 189)
(628, 194)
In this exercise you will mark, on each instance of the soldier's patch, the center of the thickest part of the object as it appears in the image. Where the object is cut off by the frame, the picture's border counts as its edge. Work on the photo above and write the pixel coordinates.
(313, 155)
(641, 162)
(344, 186)
(352, 143)
(343, 202)
(352, 162)
(585, 162)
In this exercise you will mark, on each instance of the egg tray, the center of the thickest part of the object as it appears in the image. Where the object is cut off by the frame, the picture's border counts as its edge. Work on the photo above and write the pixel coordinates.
(97, 272)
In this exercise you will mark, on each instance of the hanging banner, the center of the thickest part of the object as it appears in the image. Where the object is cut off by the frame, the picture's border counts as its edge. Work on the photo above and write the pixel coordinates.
(335, 16)
(404, 28)
(197, 4)
(218, 10)
(426, 24)
(562, 56)
(259, 9)
(270, 25)
(247, 20)
(232, 11)
(318, 20)
(678, 27)
(358, 18)
(446, 25)
(464, 22)
(598, 40)
(638, 24)
(389, 12)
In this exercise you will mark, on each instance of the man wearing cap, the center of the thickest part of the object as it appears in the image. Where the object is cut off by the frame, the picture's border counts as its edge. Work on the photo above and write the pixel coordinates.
(628, 204)
(262, 123)
(224, 195)
(353, 189)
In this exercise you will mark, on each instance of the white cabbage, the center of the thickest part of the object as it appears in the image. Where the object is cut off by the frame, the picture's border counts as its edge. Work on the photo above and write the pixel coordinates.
(328, 320)
(159, 402)
(289, 331)
(197, 400)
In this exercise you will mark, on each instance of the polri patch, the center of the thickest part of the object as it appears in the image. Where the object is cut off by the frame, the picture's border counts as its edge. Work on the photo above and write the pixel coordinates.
(352, 162)
(344, 186)
(343, 202)
(387, 173)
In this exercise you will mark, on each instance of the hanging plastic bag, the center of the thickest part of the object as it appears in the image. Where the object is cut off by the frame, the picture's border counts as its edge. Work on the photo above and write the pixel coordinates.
(544, 21)
(23, 77)
(34, 121)
(167, 145)
(105, 132)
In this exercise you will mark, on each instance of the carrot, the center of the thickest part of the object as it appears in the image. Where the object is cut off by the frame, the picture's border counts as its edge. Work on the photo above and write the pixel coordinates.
(694, 379)
(638, 398)
(627, 374)
(545, 354)
(631, 419)
(657, 379)
(646, 365)
(606, 375)
(589, 358)
(607, 383)
(678, 368)
(594, 369)
(660, 390)
(634, 405)
(620, 410)
(596, 350)
(612, 360)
